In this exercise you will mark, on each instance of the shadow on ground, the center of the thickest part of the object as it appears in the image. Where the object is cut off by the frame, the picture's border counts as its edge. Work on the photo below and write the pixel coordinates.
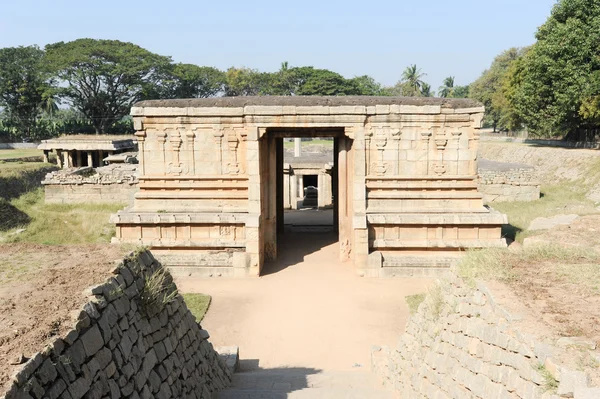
(293, 247)
(509, 231)
(11, 217)
(15, 186)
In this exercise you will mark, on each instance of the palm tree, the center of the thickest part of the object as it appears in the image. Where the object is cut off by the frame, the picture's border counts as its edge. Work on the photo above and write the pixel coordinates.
(447, 89)
(411, 81)
(426, 90)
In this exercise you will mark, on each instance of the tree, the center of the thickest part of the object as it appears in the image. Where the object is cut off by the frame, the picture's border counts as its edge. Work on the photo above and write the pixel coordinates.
(367, 86)
(193, 81)
(246, 82)
(426, 90)
(323, 82)
(557, 85)
(447, 88)
(411, 81)
(25, 87)
(488, 87)
(461, 91)
(104, 78)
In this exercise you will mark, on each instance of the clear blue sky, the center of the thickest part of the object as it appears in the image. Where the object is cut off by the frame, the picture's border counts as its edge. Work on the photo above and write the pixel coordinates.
(377, 38)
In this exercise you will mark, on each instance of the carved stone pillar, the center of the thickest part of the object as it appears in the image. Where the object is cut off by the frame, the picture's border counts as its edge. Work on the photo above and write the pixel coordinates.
(233, 166)
(141, 139)
(218, 137)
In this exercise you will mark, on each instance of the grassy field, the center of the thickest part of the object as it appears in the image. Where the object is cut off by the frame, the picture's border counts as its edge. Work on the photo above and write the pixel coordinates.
(563, 198)
(20, 153)
(22, 207)
(198, 304)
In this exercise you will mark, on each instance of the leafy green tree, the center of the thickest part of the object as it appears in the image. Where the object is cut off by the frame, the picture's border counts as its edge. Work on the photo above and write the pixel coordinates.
(323, 82)
(447, 88)
(367, 86)
(412, 81)
(25, 87)
(461, 92)
(558, 84)
(193, 81)
(426, 90)
(246, 82)
(488, 88)
(104, 78)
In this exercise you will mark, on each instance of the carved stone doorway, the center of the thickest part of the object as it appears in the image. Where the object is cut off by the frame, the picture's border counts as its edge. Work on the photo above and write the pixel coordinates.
(272, 186)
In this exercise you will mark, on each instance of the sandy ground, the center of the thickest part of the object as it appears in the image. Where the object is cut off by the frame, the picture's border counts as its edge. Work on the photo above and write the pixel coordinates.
(40, 285)
(308, 310)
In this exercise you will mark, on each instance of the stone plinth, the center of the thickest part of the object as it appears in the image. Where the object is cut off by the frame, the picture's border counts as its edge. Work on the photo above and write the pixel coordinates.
(212, 184)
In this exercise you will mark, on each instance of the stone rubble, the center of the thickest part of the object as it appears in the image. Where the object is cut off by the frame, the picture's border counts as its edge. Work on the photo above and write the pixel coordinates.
(124, 345)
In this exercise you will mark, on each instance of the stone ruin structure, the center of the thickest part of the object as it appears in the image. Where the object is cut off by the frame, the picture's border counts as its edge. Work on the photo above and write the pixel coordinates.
(74, 151)
(297, 172)
(83, 178)
(210, 197)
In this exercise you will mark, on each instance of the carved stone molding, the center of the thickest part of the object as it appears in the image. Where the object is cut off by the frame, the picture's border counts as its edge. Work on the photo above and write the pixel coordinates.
(175, 167)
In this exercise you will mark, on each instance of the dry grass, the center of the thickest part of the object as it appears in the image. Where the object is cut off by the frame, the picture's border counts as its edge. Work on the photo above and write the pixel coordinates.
(580, 266)
(414, 301)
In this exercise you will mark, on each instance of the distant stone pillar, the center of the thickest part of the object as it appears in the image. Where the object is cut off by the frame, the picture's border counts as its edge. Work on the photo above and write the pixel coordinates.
(297, 147)
(46, 159)
(67, 160)
(78, 155)
(59, 159)
(301, 186)
(320, 193)
(90, 159)
(293, 190)
(100, 158)
(287, 203)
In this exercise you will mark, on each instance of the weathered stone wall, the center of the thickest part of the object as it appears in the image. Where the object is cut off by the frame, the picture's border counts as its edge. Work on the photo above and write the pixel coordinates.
(508, 185)
(127, 344)
(462, 344)
(113, 183)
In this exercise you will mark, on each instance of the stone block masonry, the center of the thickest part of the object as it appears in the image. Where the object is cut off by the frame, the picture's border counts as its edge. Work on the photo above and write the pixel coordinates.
(108, 184)
(506, 182)
(135, 338)
(462, 344)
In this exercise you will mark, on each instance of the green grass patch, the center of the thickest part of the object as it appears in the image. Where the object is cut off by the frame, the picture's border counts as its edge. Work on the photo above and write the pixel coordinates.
(20, 153)
(198, 304)
(564, 198)
(57, 224)
(414, 301)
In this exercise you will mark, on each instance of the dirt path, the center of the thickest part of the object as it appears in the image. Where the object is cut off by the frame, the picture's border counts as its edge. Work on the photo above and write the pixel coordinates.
(311, 311)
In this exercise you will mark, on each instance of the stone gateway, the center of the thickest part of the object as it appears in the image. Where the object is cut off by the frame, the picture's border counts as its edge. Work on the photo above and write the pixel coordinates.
(404, 184)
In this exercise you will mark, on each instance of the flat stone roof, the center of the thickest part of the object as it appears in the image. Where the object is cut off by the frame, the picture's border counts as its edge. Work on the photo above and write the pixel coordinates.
(307, 101)
(89, 142)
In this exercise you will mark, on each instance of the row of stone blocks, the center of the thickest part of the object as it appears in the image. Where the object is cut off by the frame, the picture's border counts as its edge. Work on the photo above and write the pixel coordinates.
(135, 338)
(462, 344)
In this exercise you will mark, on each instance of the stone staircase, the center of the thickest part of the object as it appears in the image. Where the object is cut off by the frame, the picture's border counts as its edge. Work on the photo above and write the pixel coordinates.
(304, 383)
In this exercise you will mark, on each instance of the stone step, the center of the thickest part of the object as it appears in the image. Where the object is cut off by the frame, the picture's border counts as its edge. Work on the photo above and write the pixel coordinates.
(312, 393)
(304, 383)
